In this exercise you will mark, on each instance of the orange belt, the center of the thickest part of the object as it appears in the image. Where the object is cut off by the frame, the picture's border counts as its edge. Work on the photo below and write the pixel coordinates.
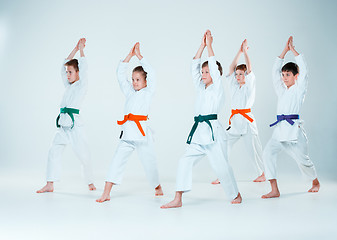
(136, 119)
(242, 112)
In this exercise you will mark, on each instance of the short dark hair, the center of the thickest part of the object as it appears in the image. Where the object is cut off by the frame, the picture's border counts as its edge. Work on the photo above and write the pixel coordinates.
(205, 64)
(141, 70)
(290, 67)
(242, 67)
(74, 63)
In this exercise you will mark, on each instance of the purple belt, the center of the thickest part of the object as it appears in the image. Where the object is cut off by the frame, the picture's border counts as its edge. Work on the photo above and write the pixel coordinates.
(288, 118)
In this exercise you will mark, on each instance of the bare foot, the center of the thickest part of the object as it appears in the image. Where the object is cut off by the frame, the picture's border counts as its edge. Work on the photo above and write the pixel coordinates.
(177, 201)
(106, 194)
(92, 187)
(159, 191)
(315, 186)
(272, 194)
(237, 200)
(173, 204)
(261, 178)
(103, 198)
(216, 181)
(48, 188)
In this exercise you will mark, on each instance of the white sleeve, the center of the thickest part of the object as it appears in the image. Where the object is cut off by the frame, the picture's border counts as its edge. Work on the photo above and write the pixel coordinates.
(231, 80)
(83, 70)
(213, 70)
(64, 73)
(302, 79)
(124, 84)
(151, 76)
(277, 81)
(195, 70)
(250, 82)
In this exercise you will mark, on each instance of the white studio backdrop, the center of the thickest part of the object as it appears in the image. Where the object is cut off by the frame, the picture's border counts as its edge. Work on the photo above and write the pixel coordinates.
(35, 37)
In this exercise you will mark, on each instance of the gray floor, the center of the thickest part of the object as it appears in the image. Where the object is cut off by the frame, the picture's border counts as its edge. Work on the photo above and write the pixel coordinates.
(133, 212)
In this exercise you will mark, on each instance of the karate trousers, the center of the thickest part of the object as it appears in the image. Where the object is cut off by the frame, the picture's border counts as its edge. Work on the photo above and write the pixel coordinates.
(77, 139)
(217, 155)
(297, 150)
(253, 148)
(145, 150)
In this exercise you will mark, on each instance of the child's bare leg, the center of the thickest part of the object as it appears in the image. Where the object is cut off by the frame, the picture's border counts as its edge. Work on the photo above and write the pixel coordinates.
(261, 178)
(92, 187)
(159, 191)
(237, 200)
(274, 190)
(106, 194)
(216, 181)
(315, 186)
(177, 201)
(49, 187)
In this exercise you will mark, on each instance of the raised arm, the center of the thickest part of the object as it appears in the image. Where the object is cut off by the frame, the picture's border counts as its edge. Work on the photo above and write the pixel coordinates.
(302, 78)
(124, 84)
(201, 48)
(150, 76)
(131, 54)
(276, 72)
(82, 62)
(63, 69)
(286, 48)
(209, 42)
(247, 59)
(196, 63)
(235, 61)
(81, 46)
(74, 51)
(213, 68)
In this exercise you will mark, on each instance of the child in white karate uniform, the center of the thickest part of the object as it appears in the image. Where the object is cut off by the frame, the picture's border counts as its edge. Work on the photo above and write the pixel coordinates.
(290, 84)
(242, 124)
(70, 127)
(135, 133)
(207, 135)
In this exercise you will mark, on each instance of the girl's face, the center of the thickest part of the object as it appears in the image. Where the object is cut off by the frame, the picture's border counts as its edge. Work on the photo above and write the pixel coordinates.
(72, 74)
(206, 76)
(240, 76)
(138, 81)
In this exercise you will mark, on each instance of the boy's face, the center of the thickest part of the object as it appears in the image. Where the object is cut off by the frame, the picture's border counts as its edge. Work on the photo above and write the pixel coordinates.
(240, 76)
(289, 78)
(206, 76)
(72, 74)
(138, 81)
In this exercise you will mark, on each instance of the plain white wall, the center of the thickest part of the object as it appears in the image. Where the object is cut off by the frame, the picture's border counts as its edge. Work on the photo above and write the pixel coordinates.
(35, 37)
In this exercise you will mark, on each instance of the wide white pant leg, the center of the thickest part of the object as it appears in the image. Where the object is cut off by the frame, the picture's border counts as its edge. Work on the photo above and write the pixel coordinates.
(231, 140)
(55, 156)
(254, 150)
(147, 156)
(80, 146)
(119, 160)
(269, 157)
(299, 151)
(192, 155)
(218, 158)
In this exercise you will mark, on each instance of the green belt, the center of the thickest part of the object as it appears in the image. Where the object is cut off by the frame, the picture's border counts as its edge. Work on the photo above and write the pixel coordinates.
(70, 112)
(199, 119)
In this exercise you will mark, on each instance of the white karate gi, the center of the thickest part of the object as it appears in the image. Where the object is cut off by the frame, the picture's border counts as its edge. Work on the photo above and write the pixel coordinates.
(243, 98)
(137, 103)
(72, 98)
(290, 138)
(208, 102)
